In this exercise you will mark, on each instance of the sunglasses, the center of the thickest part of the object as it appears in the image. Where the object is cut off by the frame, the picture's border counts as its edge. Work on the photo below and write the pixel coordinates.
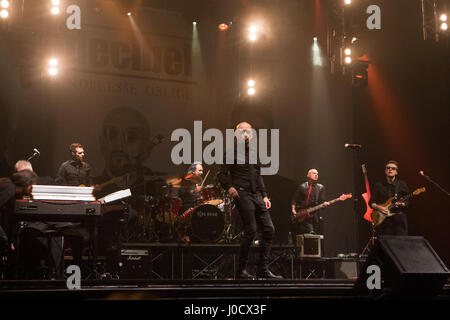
(391, 168)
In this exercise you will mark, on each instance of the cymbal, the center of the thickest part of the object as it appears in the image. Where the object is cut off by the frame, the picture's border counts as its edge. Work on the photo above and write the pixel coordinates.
(192, 178)
(187, 181)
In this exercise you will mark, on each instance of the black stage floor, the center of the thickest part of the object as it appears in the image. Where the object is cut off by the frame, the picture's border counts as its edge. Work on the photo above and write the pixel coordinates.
(144, 289)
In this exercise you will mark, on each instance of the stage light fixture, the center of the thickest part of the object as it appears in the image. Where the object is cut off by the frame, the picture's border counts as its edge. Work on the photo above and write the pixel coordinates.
(4, 14)
(4, 4)
(347, 51)
(223, 27)
(52, 71)
(348, 60)
(348, 2)
(252, 37)
(251, 91)
(360, 74)
(55, 10)
(194, 23)
(52, 67)
(56, 2)
(129, 14)
(254, 31)
(443, 17)
(444, 26)
(315, 39)
(251, 83)
(53, 62)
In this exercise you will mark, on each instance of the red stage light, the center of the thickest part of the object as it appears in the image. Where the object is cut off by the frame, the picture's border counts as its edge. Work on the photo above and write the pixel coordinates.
(223, 27)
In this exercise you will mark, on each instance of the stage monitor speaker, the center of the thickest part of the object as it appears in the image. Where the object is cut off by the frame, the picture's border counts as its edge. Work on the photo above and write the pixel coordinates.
(408, 267)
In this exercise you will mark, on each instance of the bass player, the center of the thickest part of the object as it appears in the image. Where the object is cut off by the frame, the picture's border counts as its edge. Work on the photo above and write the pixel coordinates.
(308, 194)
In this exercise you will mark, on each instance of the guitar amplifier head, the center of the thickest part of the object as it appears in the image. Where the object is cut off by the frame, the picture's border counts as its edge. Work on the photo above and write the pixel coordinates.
(309, 245)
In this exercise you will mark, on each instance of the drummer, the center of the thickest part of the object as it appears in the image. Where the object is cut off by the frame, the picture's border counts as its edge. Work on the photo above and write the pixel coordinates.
(192, 196)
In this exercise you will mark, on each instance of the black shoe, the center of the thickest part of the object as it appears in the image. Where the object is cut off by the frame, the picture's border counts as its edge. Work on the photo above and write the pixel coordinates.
(267, 274)
(245, 275)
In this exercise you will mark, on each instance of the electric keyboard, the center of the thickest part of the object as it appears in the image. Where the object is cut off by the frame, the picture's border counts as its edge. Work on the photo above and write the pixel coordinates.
(56, 210)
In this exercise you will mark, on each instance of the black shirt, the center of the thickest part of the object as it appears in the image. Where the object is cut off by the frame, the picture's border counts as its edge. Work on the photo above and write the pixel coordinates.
(243, 176)
(74, 173)
(383, 190)
(317, 195)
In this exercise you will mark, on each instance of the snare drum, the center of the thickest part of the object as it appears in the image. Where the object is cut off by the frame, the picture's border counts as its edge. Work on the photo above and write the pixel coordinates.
(211, 195)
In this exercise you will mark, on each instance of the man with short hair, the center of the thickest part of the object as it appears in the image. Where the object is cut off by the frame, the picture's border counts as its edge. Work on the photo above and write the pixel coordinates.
(75, 172)
(244, 183)
(23, 165)
(391, 186)
(308, 194)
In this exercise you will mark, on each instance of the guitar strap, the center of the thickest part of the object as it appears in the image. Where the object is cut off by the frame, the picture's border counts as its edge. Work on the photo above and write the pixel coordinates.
(307, 197)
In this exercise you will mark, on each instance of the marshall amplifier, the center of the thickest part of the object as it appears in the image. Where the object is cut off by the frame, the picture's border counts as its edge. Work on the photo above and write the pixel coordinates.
(309, 245)
(130, 263)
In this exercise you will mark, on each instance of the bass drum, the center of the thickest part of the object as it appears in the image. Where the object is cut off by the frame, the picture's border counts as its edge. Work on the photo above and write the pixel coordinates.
(202, 224)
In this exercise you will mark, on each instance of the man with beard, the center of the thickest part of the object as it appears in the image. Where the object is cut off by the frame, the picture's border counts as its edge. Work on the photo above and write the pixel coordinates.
(75, 172)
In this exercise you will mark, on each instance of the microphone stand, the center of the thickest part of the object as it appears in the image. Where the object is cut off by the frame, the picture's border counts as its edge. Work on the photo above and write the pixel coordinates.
(355, 198)
(437, 185)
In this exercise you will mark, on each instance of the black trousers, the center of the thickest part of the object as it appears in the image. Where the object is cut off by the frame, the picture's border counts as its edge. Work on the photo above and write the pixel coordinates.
(254, 214)
(396, 225)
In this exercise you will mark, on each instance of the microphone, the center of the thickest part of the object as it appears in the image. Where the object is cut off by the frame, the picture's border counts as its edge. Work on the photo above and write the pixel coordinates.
(423, 174)
(353, 145)
(35, 153)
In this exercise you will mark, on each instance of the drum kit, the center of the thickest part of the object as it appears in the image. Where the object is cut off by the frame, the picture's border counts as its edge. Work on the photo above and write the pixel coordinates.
(212, 219)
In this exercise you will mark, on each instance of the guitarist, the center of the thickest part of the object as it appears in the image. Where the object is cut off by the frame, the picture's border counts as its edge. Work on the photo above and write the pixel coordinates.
(391, 186)
(308, 194)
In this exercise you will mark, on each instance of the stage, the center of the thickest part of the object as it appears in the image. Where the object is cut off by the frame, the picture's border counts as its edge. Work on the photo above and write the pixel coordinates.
(185, 272)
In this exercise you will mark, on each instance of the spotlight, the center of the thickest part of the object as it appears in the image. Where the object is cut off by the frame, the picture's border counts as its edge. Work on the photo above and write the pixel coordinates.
(55, 10)
(315, 39)
(253, 28)
(4, 4)
(223, 26)
(251, 91)
(194, 23)
(348, 60)
(53, 67)
(129, 14)
(443, 17)
(444, 26)
(53, 71)
(348, 2)
(4, 14)
(251, 83)
(359, 73)
(347, 51)
(53, 62)
(253, 32)
(354, 39)
(56, 2)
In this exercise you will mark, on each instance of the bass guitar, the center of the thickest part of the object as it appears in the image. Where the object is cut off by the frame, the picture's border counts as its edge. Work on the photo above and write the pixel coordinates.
(302, 214)
(379, 216)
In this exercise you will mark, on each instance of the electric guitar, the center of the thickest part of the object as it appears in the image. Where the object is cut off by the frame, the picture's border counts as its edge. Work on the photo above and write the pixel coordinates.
(379, 216)
(302, 214)
(366, 196)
